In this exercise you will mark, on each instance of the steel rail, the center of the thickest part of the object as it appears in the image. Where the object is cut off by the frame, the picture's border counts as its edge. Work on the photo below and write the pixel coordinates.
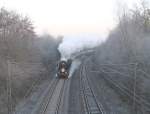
(60, 98)
(85, 101)
(126, 91)
(122, 87)
(85, 82)
(100, 107)
(48, 96)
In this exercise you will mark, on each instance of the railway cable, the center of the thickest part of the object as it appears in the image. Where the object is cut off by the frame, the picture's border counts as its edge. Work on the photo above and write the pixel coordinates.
(123, 87)
(125, 90)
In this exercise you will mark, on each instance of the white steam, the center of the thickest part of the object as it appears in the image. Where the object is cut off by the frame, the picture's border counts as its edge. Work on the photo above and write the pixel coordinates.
(74, 44)
(75, 64)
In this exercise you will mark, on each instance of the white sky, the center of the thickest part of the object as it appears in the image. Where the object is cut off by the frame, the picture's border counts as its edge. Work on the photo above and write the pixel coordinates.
(68, 17)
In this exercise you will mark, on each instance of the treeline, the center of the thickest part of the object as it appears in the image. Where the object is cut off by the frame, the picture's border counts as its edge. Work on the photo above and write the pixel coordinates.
(18, 40)
(129, 41)
(24, 56)
(16, 36)
(125, 56)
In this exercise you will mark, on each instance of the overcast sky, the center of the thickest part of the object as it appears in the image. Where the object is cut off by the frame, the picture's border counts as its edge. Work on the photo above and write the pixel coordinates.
(68, 17)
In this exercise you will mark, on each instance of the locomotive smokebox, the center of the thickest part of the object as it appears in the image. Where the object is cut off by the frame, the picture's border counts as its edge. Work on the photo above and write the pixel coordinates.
(63, 68)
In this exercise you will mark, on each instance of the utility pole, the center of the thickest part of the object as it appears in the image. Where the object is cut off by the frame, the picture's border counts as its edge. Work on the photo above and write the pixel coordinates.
(134, 87)
(7, 56)
(9, 89)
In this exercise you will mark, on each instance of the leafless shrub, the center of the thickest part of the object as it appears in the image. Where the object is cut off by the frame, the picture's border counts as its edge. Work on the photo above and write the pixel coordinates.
(29, 57)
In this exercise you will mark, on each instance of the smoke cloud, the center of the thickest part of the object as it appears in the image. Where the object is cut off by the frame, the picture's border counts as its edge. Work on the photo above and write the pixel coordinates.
(71, 45)
(75, 64)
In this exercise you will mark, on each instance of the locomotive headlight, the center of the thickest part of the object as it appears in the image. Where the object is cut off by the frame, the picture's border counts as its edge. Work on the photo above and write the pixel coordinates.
(62, 70)
(66, 73)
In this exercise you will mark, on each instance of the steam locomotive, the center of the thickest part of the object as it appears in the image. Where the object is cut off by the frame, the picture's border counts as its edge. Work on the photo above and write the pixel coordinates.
(63, 68)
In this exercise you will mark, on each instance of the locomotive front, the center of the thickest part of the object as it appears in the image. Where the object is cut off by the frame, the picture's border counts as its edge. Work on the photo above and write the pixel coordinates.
(63, 69)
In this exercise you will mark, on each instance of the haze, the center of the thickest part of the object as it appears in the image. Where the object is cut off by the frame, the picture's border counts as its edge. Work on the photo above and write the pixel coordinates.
(67, 17)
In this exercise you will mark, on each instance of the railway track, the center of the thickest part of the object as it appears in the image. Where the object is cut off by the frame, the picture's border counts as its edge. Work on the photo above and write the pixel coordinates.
(60, 99)
(91, 104)
(124, 90)
(52, 98)
(30, 103)
(31, 89)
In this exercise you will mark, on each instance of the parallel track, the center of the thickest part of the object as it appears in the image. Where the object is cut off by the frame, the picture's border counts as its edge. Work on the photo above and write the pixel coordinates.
(60, 98)
(47, 100)
(48, 96)
(124, 90)
(91, 104)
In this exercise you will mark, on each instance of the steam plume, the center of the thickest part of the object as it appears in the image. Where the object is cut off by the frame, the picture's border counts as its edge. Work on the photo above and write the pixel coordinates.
(72, 45)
